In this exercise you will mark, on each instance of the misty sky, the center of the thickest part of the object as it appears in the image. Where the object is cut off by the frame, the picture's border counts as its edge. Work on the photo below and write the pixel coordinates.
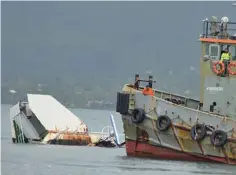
(79, 39)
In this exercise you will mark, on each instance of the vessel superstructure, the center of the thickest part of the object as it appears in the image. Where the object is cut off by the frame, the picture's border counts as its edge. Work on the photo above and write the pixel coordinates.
(174, 127)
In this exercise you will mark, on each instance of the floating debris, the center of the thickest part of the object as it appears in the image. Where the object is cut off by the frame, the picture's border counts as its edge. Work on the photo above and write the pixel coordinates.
(44, 120)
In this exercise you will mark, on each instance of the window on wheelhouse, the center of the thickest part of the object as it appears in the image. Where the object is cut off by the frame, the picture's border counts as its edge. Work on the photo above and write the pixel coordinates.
(214, 51)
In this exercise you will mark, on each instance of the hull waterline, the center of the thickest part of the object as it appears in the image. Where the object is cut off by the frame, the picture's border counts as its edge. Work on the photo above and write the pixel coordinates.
(146, 150)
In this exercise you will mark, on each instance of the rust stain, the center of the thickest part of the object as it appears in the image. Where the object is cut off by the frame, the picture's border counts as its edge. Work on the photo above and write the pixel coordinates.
(183, 134)
(214, 40)
(177, 139)
(201, 148)
(155, 131)
(186, 128)
(186, 140)
(225, 154)
(233, 133)
(231, 151)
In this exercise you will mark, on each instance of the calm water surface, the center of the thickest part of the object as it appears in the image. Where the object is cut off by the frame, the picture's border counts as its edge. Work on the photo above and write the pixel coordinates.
(23, 159)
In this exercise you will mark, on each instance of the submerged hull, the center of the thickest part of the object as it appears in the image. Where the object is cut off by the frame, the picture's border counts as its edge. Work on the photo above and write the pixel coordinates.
(146, 150)
(43, 120)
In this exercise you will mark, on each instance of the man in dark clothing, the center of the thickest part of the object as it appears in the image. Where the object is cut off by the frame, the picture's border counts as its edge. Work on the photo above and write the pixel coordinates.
(137, 81)
(150, 81)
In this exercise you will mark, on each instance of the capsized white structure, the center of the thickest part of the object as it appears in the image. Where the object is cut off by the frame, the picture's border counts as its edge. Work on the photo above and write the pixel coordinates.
(31, 121)
(53, 115)
(44, 120)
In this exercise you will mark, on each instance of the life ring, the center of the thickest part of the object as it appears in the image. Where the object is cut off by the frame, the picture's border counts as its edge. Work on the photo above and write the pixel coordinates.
(198, 132)
(163, 123)
(218, 71)
(138, 115)
(218, 138)
(232, 64)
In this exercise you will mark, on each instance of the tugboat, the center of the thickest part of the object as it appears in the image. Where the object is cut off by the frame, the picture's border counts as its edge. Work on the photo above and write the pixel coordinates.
(173, 127)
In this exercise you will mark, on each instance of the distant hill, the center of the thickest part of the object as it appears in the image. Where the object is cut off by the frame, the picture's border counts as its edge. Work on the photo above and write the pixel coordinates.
(96, 47)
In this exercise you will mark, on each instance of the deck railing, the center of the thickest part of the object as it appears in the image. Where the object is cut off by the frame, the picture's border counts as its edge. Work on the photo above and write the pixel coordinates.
(219, 30)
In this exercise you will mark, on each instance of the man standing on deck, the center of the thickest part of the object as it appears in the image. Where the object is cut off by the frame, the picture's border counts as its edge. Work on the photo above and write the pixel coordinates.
(225, 58)
(137, 81)
(150, 81)
(148, 91)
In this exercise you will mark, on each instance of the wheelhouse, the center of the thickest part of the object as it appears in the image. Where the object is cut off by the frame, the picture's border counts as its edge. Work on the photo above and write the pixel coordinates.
(218, 79)
(217, 36)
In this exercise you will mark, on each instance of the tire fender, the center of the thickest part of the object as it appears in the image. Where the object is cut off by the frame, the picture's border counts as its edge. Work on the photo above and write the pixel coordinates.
(138, 115)
(163, 123)
(198, 132)
(218, 138)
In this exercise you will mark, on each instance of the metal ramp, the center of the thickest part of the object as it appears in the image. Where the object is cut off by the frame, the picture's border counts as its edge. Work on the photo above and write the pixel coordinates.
(22, 129)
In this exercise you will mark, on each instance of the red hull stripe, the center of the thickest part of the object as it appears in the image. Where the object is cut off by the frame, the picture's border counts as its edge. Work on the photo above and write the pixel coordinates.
(138, 149)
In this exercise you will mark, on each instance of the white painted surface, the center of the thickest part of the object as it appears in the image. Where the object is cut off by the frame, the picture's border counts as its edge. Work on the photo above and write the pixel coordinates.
(21, 120)
(53, 115)
(14, 111)
(27, 128)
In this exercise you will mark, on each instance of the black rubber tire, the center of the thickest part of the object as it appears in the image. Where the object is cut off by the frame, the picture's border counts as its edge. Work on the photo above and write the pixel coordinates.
(138, 115)
(159, 123)
(221, 135)
(175, 101)
(200, 135)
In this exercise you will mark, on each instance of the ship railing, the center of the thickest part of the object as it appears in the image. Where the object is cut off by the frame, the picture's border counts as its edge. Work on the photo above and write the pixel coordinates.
(182, 100)
(164, 92)
(218, 30)
(111, 132)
